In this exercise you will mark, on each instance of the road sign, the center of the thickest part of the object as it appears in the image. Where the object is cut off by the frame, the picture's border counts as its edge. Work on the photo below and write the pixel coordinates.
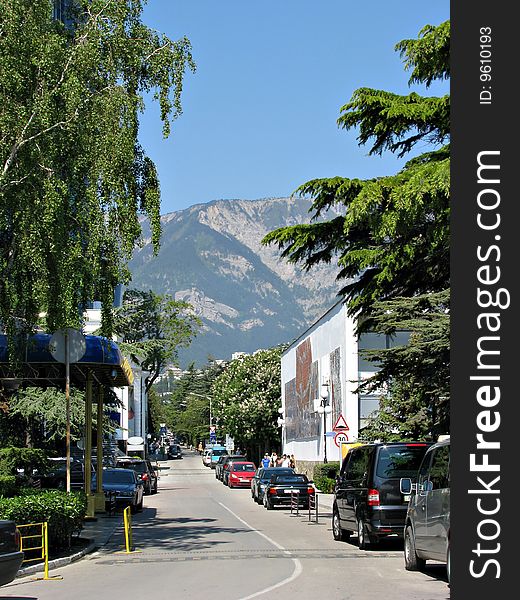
(340, 424)
(340, 438)
(76, 343)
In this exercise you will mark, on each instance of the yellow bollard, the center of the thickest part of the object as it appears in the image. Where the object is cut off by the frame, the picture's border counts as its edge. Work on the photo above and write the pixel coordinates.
(127, 518)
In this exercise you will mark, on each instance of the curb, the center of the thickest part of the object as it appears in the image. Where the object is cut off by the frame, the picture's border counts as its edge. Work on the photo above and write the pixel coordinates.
(58, 562)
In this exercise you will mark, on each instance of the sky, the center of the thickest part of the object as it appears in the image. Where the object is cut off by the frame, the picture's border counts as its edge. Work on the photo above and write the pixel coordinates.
(260, 112)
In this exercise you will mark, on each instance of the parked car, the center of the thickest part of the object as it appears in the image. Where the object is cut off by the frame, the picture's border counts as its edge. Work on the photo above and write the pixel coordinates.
(216, 453)
(174, 451)
(144, 470)
(206, 457)
(367, 495)
(218, 465)
(261, 479)
(226, 465)
(427, 528)
(55, 477)
(281, 486)
(125, 485)
(11, 556)
(241, 473)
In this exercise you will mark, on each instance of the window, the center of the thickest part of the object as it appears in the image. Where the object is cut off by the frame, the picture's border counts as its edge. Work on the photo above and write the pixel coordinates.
(358, 464)
(440, 469)
(370, 341)
(367, 406)
(399, 461)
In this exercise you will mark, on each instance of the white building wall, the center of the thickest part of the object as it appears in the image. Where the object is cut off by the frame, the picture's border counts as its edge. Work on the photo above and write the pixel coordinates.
(307, 364)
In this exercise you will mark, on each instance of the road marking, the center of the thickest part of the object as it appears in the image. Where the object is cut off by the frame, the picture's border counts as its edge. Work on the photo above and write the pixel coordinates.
(298, 569)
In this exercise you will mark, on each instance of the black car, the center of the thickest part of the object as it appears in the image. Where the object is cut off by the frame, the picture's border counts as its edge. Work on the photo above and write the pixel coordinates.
(281, 488)
(124, 487)
(144, 470)
(218, 465)
(262, 478)
(55, 477)
(174, 452)
(11, 556)
(367, 495)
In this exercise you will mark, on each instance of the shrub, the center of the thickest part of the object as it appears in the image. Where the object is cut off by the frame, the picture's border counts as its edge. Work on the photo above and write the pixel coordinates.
(29, 459)
(324, 476)
(8, 486)
(63, 512)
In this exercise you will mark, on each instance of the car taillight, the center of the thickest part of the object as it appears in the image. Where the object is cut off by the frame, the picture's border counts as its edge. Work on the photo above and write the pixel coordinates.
(144, 476)
(272, 491)
(310, 490)
(373, 497)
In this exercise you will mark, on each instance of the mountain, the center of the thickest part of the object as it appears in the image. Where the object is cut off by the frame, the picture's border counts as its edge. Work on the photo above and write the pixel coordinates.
(246, 295)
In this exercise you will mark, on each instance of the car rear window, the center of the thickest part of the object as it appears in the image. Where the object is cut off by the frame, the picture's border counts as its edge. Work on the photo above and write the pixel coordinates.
(400, 461)
(117, 477)
(219, 452)
(269, 472)
(138, 467)
(282, 479)
(243, 467)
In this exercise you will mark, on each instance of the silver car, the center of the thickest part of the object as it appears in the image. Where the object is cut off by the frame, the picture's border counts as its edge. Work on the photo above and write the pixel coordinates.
(427, 528)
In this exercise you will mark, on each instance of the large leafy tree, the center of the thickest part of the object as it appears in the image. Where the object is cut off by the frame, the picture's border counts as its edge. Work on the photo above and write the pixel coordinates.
(152, 328)
(73, 178)
(247, 398)
(390, 238)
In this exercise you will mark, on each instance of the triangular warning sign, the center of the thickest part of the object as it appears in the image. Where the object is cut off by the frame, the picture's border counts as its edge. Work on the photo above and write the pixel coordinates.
(340, 424)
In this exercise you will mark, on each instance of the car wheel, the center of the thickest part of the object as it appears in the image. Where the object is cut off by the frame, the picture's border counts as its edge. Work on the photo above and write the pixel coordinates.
(154, 491)
(267, 503)
(339, 534)
(412, 562)
(363, 539)
(133, 508)
(140, 506)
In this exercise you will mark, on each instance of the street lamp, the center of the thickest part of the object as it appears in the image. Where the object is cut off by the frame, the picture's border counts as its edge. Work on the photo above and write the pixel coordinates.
(324, 409)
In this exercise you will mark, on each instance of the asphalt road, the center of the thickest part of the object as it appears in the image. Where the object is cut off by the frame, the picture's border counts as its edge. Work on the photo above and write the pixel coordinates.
(198, 540)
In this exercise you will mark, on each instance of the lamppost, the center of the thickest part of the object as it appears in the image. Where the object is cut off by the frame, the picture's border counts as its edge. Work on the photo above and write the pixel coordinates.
(324, 409)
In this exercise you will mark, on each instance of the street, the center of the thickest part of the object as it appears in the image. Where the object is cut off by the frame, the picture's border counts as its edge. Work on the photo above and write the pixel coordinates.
(197, 539)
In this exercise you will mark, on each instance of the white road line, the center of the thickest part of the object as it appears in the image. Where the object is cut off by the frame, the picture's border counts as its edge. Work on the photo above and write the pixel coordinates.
(297, 564)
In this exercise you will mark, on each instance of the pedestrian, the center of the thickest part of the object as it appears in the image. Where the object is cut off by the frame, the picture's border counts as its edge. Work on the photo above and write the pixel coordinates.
(266, 461)
(279, 461)
(292, 462)
(200, 448)
(285, 461)
(274, 458)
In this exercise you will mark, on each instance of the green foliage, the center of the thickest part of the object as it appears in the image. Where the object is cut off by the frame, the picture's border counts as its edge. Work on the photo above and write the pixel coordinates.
(391, 238)
(28, 459)
(73, 178)
(64, 513)
(324, 476)
(8, 486)
(152, 328)
(247, 398)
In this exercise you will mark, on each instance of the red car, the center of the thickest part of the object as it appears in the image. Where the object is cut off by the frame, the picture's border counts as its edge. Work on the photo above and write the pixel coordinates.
(241, 473)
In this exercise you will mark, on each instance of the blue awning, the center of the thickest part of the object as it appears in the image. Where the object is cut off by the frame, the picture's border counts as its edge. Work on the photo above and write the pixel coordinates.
(102, 359)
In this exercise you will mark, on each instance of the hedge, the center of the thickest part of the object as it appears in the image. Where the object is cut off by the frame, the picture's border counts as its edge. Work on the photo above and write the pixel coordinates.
(8, 486)
(324, 476)
(63, 512)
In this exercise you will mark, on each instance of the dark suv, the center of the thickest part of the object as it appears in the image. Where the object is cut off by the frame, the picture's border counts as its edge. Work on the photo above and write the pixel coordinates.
(367, 496)
(427, 533)
(143, 469)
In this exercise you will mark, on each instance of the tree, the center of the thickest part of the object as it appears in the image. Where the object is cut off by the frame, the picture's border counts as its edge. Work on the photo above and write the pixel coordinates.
(246, 399)
(73, 178)
(152, 328)
(390, 235)
(393, 239)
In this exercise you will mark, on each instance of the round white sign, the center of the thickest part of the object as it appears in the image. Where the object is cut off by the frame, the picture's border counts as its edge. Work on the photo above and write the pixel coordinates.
(339, 438)
(135, 441)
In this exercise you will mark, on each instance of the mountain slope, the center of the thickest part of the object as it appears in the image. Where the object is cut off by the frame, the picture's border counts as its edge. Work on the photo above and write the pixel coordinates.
(247, 297)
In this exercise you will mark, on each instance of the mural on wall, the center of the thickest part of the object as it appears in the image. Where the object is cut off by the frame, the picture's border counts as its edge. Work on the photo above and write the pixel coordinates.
(301, 420)
(335, 381)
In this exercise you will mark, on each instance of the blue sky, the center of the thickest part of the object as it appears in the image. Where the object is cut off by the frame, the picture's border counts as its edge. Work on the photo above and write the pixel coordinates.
(260, 112)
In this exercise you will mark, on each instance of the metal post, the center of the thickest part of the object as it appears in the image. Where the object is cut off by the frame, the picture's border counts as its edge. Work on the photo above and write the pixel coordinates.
(324, 434)
(67, 407)
(88, 445)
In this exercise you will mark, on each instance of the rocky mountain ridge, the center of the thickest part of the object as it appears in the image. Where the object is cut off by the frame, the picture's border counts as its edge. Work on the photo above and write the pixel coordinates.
(246, 295)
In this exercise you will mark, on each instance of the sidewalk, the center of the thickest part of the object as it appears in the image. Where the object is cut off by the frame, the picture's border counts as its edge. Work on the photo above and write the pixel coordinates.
(96, 533)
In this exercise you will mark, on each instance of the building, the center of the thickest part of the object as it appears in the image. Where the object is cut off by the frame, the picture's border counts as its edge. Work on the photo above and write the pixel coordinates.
(325, 363)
